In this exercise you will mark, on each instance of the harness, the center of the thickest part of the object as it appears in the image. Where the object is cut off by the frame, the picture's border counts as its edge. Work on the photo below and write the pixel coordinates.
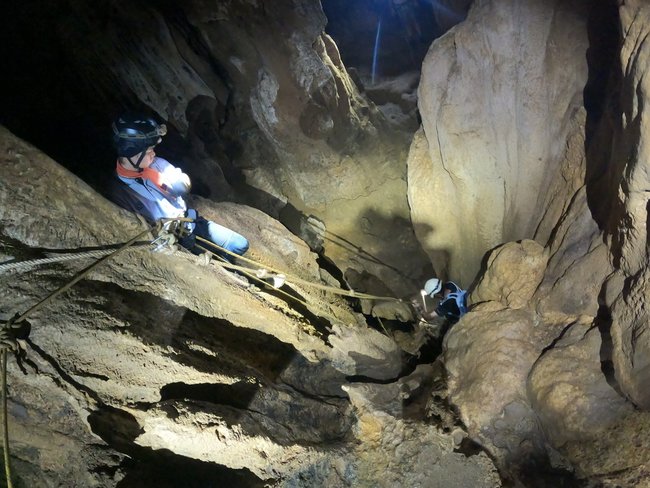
(460, 299)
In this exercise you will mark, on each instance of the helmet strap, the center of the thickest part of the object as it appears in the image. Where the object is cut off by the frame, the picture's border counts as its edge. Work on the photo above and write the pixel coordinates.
(137, 165)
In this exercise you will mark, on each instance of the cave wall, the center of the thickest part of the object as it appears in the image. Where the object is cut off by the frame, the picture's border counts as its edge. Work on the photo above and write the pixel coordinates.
(160, 369)
(313, 141)
(260, 107)
(546, 368)
(500, 99)
(628, 209)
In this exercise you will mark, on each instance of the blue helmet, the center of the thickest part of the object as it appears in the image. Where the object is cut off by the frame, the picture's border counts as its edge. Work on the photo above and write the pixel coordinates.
(133, 133)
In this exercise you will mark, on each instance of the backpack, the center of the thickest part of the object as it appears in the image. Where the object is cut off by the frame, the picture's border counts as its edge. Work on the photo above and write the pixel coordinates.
(459, 297)
(461, 300)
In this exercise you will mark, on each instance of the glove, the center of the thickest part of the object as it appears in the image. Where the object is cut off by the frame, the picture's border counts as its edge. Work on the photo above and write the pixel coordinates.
(191, 213)
(181, 187)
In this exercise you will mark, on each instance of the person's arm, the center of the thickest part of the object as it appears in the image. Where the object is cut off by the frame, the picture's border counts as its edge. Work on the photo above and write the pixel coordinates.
(448, 308)
(421, 310)
(177, 182)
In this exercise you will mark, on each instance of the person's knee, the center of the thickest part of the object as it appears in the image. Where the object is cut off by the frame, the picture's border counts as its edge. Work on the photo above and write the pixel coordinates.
(238, 244)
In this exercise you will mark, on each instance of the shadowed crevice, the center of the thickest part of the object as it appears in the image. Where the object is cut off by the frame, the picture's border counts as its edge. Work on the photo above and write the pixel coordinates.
(150, 468)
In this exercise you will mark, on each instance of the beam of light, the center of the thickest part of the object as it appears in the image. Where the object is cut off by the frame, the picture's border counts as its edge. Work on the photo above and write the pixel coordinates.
(375, 51)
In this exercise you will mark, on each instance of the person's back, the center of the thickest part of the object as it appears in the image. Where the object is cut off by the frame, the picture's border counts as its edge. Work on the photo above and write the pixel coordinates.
(453, 304)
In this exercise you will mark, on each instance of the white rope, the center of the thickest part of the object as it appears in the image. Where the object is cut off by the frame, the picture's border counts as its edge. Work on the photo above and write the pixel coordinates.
(55, 258)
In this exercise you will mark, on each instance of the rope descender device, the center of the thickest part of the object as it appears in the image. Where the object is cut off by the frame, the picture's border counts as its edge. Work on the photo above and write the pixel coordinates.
(165, 239)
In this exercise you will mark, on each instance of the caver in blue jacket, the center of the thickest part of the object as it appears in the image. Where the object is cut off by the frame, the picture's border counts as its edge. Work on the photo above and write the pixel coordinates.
(154, 188)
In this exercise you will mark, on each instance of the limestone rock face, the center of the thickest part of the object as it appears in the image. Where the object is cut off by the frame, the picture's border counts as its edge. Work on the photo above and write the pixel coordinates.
(549, 366)
(509, 359)
(396, 452)
(159, 369)
(627, 179)
(488, 355)
(261, 110)
(577, 267)
(569, 392)
(496, 134)
(517, 269)
(629, 325)
(310, 139)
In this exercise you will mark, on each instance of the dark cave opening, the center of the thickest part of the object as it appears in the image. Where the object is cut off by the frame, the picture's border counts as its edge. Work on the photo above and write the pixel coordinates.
(43, 97)
(384, 38)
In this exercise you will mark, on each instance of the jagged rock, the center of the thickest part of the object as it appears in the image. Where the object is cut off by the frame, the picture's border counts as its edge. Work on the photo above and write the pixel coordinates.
(569, 392)
(150, 334)
(365, 353)
(405, 453)
(630, 321)
(397, 99)
(499, 354)
(488, 355)
(623, 212)
(563, 397)
(318, 144)
(617, 456)
(577, 267)
(513, 273)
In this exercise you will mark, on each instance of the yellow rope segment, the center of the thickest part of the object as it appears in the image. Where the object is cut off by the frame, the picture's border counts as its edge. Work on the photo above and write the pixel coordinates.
(291, 278)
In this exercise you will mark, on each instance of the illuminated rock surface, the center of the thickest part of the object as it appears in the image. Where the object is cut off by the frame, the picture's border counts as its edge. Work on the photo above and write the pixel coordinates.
(527, 181)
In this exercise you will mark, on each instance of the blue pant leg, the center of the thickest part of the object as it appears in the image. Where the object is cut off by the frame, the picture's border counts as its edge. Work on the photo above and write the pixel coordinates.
(221, 236)
(227, 238)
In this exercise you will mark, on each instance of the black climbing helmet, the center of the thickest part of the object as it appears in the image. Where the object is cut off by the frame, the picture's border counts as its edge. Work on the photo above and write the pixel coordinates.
(133, 133)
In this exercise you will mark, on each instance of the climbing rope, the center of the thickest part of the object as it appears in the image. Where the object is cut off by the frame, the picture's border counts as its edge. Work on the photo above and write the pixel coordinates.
(269, 272)
(260, 279)
(56, 258)
(261, 274)
(83, 273)
(352, 248)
